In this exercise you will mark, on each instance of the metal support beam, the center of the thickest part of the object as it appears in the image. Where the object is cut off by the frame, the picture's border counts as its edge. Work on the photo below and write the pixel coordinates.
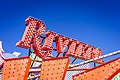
(29, 51)
(42, 40)
(64, 54)
(94, 64)
(91, 60)
(33, 61)
(73, 60)
(57, 55)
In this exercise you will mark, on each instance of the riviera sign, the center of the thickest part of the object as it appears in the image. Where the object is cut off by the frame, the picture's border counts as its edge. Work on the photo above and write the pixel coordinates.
(31, 38)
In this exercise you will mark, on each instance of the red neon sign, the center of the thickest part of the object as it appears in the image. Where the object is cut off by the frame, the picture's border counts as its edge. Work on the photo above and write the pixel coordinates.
(34, 27)
(61, 44)
(75, 48)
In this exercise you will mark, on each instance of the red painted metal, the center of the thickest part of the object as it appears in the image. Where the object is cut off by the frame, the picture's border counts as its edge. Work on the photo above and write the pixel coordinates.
(31, 38)
(71, 48)
(61, 44)
(54, 68)
(114, 74)
(16, 68)
(96, 53)
(48, 41)
(105, 71)
(79, 50)
(33, 27)
(88, 53)
(37, 46)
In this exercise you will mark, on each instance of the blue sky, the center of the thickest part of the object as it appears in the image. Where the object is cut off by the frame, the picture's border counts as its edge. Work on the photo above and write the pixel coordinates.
(95, 22)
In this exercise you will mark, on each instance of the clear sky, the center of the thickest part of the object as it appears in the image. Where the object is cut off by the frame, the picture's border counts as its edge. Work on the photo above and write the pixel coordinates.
(95, 22)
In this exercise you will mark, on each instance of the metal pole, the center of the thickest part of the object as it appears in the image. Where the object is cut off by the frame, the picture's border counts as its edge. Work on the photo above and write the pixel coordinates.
(29, 51)
(91, 60)
(73, 60)
(94, 64)
(33, 61)
(57, 55)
